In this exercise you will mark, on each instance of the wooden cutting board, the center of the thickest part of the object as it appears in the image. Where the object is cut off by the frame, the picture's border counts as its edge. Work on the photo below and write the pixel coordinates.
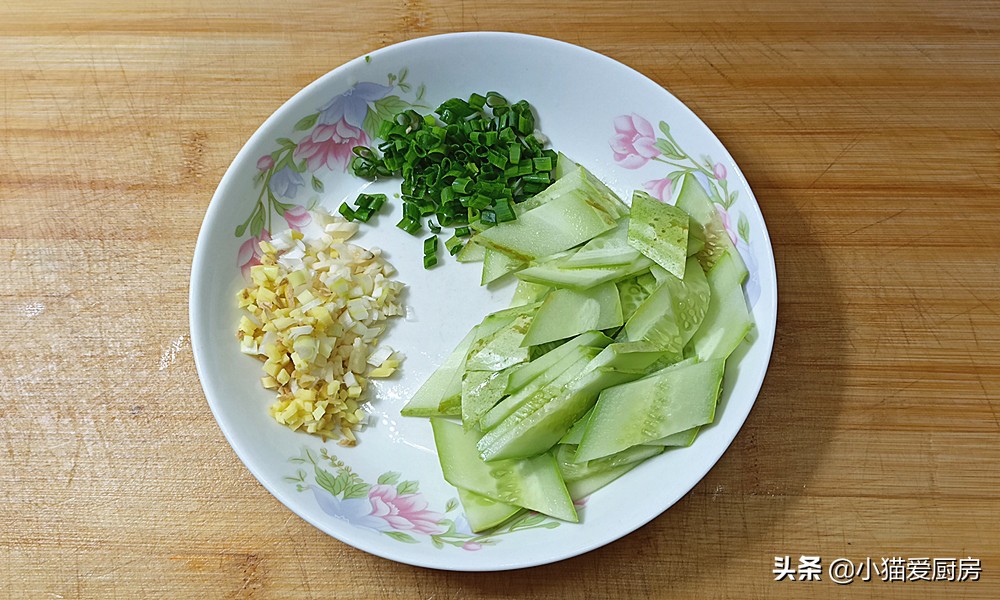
(870, 132)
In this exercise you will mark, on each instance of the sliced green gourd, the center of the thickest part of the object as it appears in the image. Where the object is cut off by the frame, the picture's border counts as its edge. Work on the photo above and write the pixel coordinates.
(692, 199)
(696, 237)
(575, 433)
(484, 513)
(564, 166)
(669, 401)
(533, 483)
(522, 375)
(541, 388)
(542, 420)
(672, 314)
(481, 390)
(497, 264)
(582, 488)
(529, 293)
(681, 438)
(631, 294)
(436, 396)
(610, 249)
(577, 212)
(727, 320)
(567, 313)
(502, 348)
(575, 471)
(659, 231)
(554, 275)
(471, 252)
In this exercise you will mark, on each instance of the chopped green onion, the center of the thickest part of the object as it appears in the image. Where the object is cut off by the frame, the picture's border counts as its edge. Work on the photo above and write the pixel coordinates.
(464, 166)
(453, 244)
(431, 245)
(346, 211)
(430, 260)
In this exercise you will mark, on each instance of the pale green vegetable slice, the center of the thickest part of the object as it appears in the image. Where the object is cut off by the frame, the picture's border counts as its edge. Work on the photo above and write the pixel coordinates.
(566, 313)
(659, 231)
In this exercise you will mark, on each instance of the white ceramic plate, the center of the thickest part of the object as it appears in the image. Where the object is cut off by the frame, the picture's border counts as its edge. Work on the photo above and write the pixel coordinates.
(387, 496)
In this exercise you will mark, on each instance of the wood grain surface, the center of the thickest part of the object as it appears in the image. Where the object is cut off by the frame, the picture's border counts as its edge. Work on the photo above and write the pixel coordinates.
(870, 132)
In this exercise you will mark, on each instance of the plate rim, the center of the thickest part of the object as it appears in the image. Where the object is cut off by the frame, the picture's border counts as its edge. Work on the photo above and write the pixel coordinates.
(213, 213)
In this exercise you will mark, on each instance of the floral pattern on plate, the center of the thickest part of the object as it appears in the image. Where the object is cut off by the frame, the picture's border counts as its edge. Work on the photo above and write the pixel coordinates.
(396, 508)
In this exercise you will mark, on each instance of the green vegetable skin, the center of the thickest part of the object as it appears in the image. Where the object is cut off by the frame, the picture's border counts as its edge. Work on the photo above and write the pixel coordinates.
(583, 411)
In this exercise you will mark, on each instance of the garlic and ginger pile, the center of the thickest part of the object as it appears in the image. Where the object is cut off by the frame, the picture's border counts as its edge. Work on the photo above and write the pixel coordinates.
(313, 314)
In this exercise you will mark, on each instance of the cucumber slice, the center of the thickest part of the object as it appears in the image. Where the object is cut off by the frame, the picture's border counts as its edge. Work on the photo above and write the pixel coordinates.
(575, 433)
(502, 348)
(727, 320)
(577, 213)
(575, 471)
(481, 390)
(484, 513)
(692, 199)
(540, 389)
(552, 274)
(546, 417)
(533, 483)
(436, 396)
(659, 231)
(564, 166)
(669, 401)
(566, 313)
(631, 294)
(696, 237)
(585, 487)
(672, 314)
(610, 249)
(471, 252)
(497, 264)
(524, 374)
(529, 293)
(681, 438)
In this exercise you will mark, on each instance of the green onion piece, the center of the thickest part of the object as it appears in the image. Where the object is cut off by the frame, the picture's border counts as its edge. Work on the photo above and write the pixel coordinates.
(504, 212)
(477, 102)
(364, 214)
(346, 211)
(430, 260)
(462, 232)
(433, 227)
(431, 245)
(543, 163)
(409, 225)
(453, 244)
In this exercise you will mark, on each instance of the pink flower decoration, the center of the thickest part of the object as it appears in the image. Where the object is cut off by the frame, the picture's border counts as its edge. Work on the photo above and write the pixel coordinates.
(634, 142)
(265, 162)
(472, 546)
(724, 215)
(660, 188)
(719, 171)
(249, 254)
(405, 512)
(298, 217)
(331, 145)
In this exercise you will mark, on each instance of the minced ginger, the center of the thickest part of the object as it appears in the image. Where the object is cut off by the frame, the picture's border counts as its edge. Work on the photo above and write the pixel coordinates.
(313, 314)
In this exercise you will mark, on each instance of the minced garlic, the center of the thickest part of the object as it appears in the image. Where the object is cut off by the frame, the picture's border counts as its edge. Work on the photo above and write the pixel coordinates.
(313, 314)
